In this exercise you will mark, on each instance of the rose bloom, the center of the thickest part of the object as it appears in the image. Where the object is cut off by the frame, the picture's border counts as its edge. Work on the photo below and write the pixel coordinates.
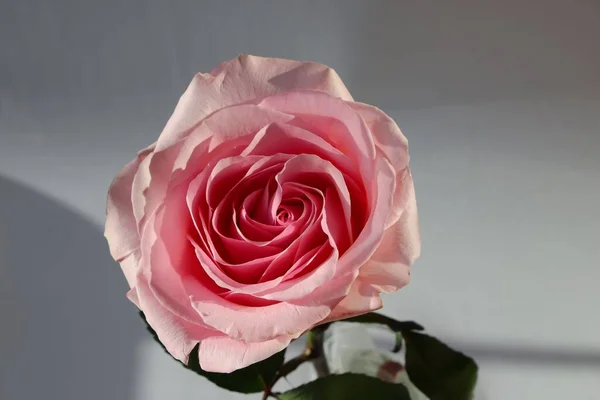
(271, 202)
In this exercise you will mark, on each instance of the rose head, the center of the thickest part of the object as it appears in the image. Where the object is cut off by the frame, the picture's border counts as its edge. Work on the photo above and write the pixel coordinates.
(271, 202)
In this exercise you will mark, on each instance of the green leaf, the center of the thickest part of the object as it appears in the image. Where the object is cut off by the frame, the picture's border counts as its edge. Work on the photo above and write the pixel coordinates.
(252, 379)
(440, 372)
(347, 387)
(396, 326)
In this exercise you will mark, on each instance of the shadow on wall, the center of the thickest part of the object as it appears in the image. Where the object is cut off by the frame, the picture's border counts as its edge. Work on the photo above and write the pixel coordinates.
(68, 332)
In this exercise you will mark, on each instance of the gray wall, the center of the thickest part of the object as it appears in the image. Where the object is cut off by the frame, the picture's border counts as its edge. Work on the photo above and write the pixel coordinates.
(500, 101)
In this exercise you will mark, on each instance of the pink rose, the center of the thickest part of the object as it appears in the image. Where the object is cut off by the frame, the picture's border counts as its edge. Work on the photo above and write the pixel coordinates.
(271, 202)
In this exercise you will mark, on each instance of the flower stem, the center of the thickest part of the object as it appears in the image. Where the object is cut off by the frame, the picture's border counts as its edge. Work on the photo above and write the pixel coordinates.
(313, 351)
(318, 359)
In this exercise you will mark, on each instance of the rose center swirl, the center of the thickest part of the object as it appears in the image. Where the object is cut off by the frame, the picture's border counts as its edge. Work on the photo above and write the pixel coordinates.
(275, 217)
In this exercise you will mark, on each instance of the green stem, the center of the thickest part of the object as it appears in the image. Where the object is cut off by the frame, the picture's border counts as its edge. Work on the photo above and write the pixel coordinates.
(291, 365)
(319, 361)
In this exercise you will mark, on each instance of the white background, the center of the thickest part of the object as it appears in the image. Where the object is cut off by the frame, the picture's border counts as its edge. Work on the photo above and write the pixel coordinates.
(501, 105)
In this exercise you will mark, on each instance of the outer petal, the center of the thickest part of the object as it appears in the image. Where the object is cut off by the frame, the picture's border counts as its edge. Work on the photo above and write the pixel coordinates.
(361, 299)
(168, 257)
(394, 145)
(150, 183)
(382, 189)
(224, 354)
(389, 268)
(120, 228)
(332, 292)
(332, 119)
(243, 79)
(161, 170)
(178, 335)
(131, 267)
(388, 137)
(235, 124)
(254, 324)
(290, 139)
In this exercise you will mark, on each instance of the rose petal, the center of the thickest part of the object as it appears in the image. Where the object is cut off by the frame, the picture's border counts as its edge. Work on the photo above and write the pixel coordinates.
(339, 224)
(253, 324)
(168, 259)
(176, 334)
(313, 171)
(332, 119)
(225, 133)
(151, 182)
(240, 80)
(228, 173)
(273, 268)
(287, 263)
(224, 354)
(389, 268)
(394, 145)
(182, 160)
(252, 229)
(259, 174)
(121, 229)
(332, 292)
(361, 299)
(223, 279)
(312, 236)
(198, 194)
(131, 267)
(388, 137)
(287, 232)
(290, 139)
(370, 237)
(323, 269)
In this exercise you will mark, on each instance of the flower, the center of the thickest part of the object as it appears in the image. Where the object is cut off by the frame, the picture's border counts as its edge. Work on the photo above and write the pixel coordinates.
(270, 203)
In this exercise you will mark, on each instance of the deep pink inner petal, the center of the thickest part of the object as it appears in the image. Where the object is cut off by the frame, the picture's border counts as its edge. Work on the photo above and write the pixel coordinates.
(267, 220)
(253, 229)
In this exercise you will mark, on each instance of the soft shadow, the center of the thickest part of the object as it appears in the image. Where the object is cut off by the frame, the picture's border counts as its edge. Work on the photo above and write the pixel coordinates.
(513, 354)
(67, 330)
